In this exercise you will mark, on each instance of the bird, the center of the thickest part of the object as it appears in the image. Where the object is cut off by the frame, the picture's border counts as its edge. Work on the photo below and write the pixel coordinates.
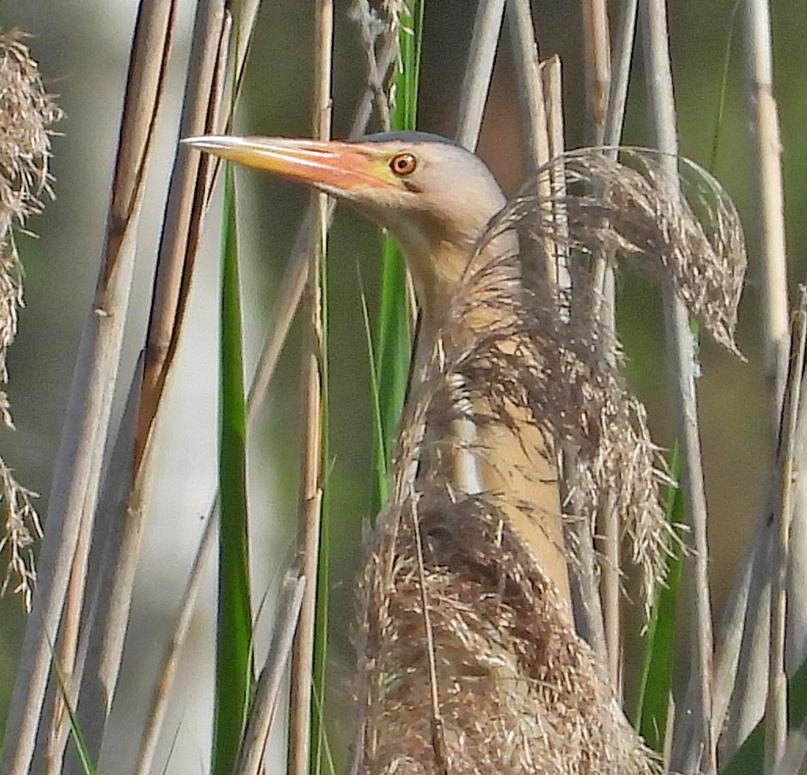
(435, 198)
(501, 681)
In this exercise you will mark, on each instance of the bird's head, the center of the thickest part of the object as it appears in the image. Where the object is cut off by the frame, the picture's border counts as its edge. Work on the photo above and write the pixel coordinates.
(434, 196)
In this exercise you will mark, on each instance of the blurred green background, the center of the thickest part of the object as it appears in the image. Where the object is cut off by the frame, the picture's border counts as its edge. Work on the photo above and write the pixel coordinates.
(83, 51)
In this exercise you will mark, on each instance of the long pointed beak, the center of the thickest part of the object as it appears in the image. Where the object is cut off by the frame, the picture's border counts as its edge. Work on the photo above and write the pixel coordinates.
(337, 167)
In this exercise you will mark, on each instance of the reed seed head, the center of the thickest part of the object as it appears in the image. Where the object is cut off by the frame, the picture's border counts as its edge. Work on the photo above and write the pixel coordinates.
(27, 113)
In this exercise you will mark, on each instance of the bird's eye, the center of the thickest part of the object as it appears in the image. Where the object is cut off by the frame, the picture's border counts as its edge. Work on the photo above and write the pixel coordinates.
(403, 164)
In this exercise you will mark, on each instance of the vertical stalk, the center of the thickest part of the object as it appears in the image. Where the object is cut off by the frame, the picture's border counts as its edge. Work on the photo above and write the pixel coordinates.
(394, 318)
(769, 195)
(776, 704)
(768, 190)
(533, 108)
(625, 28)
(597, 56)
(122, 508)
(598, 67)
(234, 672)
(307, 678)
(289, 292)
(478, 71)
(268, 687)
(682, 365)
(744, 652)
(76, 475)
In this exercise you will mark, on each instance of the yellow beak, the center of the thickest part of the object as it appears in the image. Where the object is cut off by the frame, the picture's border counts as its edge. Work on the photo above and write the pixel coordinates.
(335, 166)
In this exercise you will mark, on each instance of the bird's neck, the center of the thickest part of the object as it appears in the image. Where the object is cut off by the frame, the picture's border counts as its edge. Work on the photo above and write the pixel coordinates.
(511, 460)
(449, 293)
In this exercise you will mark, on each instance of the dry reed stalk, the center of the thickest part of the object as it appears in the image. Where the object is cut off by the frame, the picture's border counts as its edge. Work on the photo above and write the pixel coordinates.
(122, 509)
(75, 480)
(583, 570)
(618, 76)
(794, 760)
(767, 153)
(290, 290)
(612, 137)
(749, 688)
(606, 94)
(302, 664)
(189, 189)
(93, 719)
(159, 700)
(769, 195)
(310, 506)
(748, 698)
(597, 58)
(729, 639)
(53, 727)
(552, 82)
(267, 689)
(476, 80)
(796, 641)
(586, 601)
(748, 702)
(52, 719)
(611, 589)
(596, 48)
(776, 703)
(533, 106)
(681, 354)
(188, 194)
(622, 54)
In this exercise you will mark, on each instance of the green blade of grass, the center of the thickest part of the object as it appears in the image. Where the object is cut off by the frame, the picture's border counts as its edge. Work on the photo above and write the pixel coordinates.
(381, 461)
(234, 628)
(655, 682)
(724, 79)
(83, 753)
(392, 358)
(394, 340)
(75, 732)
(319, 744)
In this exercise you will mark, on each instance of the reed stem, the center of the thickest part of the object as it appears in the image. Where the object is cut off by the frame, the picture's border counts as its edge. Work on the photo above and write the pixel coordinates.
(680, 344)
(304, 735)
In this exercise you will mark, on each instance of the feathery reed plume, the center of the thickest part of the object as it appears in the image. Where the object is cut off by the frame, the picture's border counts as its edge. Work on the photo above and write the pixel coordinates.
(514, 685)
(510, 683)
(695, 245)
(27, 112)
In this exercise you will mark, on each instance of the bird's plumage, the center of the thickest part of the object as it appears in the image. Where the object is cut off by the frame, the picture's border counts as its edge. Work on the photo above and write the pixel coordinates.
(466, 581)
(437, 213)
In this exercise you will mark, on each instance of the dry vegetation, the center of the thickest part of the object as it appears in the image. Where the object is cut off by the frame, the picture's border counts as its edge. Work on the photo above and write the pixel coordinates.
(469, 657)
(27, 114)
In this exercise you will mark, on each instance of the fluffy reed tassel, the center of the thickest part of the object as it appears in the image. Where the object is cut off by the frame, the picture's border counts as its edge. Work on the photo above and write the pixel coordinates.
(469, 662)
(26, 115)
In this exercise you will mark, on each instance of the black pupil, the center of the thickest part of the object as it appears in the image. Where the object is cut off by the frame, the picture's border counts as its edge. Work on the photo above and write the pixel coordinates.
(402, 163)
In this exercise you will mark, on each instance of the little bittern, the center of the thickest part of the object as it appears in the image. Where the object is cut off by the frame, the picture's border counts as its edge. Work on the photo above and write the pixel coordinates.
(468, 657)
(436, 199)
